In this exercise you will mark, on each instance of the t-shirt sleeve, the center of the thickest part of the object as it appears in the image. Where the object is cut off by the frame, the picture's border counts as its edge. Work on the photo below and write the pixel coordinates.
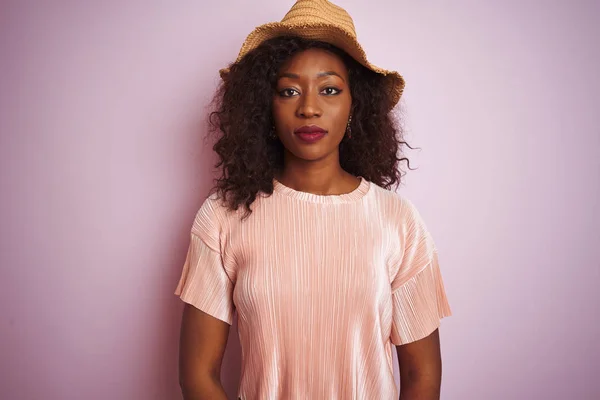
(204, 282)
(418, 294)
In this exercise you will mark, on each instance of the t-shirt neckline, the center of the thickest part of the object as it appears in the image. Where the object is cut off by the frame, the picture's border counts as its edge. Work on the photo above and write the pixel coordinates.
(358, 193)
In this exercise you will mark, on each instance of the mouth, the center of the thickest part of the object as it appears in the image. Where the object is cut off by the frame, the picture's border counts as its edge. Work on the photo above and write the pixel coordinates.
(310, 129)
(310, 134)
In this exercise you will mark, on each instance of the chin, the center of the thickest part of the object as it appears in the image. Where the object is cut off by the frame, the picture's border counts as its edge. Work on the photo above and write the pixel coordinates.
(314, 153)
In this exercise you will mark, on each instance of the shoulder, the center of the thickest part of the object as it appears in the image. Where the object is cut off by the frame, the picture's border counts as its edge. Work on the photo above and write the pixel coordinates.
(211, 219)
(210, 212)
(396, 206)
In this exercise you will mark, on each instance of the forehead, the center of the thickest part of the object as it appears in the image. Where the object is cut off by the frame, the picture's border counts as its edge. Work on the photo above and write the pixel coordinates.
(312, 61)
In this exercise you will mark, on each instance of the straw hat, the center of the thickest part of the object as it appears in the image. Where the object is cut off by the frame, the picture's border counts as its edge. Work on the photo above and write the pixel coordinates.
(324, 21)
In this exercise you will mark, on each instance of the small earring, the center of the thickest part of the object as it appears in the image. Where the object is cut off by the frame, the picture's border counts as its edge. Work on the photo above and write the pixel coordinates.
(348, 128)
(272, 134)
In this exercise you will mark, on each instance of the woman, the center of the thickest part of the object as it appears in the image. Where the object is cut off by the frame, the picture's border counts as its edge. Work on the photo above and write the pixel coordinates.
(326, 268)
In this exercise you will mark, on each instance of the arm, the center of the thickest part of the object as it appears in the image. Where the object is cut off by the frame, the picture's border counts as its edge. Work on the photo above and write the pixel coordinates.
(201, 348)
(420, 365)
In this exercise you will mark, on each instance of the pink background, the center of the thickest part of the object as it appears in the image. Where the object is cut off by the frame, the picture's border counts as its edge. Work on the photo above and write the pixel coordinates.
(102, 167)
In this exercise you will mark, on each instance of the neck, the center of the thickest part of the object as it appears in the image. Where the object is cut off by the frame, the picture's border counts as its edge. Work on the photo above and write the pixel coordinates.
(321, 178)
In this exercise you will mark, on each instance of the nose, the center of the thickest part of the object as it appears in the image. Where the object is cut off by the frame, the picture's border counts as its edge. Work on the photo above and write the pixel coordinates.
(308, 107)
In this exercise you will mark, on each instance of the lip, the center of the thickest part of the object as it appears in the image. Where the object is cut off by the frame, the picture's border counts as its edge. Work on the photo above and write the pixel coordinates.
(310, 134)
(311, 129)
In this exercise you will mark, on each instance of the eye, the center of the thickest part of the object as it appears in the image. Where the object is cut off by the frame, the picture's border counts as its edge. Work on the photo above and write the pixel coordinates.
(288, 92)
(331, 91)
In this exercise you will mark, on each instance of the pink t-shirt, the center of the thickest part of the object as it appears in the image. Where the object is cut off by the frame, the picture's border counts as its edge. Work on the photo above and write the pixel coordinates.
(323, 288)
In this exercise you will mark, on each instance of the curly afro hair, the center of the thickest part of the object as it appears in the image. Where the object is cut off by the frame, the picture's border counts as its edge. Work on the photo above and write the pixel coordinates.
(241, 121)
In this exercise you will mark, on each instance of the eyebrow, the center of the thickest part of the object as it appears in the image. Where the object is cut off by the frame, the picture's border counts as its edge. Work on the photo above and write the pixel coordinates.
(319, 75)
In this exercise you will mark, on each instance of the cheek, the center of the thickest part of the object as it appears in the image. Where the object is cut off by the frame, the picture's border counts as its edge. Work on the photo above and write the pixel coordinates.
(280, 113)
(341, 113)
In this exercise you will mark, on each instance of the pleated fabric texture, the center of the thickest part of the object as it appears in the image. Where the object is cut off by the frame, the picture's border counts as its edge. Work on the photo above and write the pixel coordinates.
(323, 288)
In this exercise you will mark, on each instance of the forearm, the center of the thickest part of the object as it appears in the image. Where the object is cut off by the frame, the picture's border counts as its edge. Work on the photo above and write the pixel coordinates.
(203, 390)
(423, 389)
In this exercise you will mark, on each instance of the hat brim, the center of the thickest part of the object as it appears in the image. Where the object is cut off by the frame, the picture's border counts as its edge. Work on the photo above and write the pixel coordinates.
(325, 33)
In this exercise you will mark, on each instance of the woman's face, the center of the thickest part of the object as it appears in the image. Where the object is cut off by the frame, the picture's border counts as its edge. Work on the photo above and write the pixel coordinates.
(311, 105)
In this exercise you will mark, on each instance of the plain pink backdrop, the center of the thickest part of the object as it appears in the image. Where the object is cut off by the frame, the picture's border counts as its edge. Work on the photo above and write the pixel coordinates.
(102, 168)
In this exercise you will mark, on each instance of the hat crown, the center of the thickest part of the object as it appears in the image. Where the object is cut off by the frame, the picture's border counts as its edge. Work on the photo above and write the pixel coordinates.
(323, 21)
(319, 11)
